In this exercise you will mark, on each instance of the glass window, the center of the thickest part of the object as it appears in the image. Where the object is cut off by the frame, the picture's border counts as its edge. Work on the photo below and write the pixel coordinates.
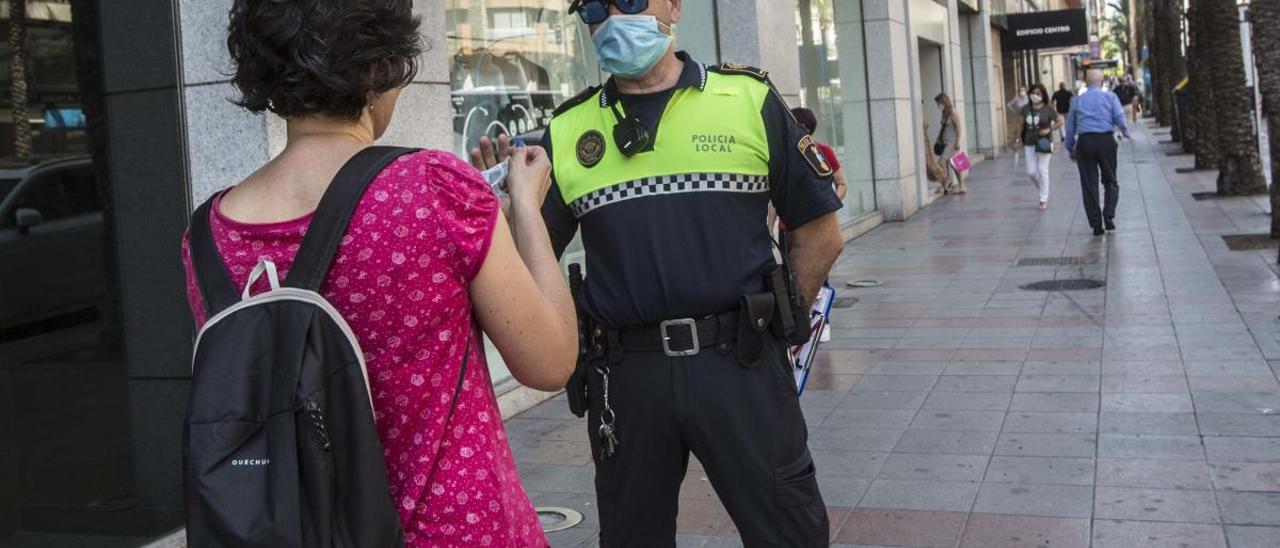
(833, 84)
(512, 62)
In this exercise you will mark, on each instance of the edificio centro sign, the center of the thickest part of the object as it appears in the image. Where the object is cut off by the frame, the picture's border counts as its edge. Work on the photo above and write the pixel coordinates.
(1045, 29)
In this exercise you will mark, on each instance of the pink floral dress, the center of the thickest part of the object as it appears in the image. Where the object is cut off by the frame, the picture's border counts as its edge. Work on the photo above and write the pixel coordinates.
(400, 278)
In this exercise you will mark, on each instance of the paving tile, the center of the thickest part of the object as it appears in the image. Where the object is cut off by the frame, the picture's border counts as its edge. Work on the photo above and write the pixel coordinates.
(1051, 423)
(1042, 470)
(871, 399)
(1146, 384)
(1183, 505)
(1140, 367)
(1142, 446)
(869, 418)
(954, 496)
(1046, 445)
(1057, 383)
(1239, 424)
(1249, 508)
(982, 369)
(1246, 476)
(1238, 449)
(895, 383)
(1244, 383)
(969, 401)
(946, 442)
(1172, 424)
(912, 466)
(854, 439)
(1217, 367)
(1245, 536)
(945, 419)
(883, 526)
(1146, 403)
(907, 368)
(552, 452)
(1109, 533)
(1264, 403)
(1054, 402)
(853, 464)
(1009, 531)
(1153, 473)
(1071, 501)
(1062, 368)
(976, 383)
(842, 491)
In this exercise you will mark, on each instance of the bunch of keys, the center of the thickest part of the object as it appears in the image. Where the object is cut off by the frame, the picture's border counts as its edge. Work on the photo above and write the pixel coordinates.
(608, 433)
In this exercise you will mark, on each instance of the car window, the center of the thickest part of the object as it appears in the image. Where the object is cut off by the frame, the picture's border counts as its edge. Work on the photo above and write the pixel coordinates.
(60, 194)
(6, 186)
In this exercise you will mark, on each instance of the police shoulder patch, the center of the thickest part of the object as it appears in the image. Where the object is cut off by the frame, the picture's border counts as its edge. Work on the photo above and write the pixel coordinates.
(576, 100)
(813, 156)
(590, 148)
(738, 68)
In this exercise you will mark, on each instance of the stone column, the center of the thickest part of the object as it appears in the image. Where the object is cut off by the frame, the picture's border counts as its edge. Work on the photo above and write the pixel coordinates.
(982, 62)
(896, 146)
(762, 33)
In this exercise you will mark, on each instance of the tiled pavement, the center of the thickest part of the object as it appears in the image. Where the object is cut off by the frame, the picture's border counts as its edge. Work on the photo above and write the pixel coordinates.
(953, 408)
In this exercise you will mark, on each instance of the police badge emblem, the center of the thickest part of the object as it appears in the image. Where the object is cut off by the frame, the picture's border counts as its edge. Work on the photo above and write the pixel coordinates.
(590, 148)
(817, 162)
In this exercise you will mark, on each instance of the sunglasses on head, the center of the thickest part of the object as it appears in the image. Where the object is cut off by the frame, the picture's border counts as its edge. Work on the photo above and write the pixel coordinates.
(594, 12)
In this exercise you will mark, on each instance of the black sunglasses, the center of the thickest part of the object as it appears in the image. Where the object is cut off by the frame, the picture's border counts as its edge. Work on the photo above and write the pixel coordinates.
(594, 12)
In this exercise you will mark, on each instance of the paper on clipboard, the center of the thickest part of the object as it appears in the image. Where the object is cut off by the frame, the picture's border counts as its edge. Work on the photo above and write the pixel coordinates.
(802, 356)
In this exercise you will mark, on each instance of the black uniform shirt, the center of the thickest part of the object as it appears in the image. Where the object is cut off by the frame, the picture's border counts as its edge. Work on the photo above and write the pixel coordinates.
(688, 255)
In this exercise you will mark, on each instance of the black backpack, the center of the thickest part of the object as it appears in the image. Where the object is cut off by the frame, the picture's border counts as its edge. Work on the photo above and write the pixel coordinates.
(280, 447)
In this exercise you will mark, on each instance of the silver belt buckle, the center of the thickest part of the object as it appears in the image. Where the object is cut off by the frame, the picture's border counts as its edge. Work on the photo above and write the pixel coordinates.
(693, 336)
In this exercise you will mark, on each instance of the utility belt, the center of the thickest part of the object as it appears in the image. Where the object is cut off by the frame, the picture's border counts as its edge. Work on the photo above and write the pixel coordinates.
(777, 313)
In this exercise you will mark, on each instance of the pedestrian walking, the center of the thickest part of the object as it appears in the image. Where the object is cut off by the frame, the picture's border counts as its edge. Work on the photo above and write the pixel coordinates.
(948, 143)
(1062, 101)
(1039, 121)
(427, 257)
(1095, 114)
(668, 169)
(1127, 92)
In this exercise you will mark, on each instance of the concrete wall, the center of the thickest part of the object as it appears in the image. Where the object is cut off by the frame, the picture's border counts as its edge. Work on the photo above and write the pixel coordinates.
(762, 33)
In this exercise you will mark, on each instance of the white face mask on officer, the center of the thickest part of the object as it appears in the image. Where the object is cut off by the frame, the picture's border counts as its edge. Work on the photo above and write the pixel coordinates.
(630, 45)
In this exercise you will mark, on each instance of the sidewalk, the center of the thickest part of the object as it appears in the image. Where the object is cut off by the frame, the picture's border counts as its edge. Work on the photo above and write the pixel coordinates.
(953, 408)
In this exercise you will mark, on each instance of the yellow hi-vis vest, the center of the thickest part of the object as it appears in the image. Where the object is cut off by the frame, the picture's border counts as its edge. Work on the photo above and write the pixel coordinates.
(709, 139)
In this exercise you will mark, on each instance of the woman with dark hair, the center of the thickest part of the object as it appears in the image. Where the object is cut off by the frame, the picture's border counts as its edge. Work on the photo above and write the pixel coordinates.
(949, 139)
(809, 120)
(1035, 133)
(428, 256)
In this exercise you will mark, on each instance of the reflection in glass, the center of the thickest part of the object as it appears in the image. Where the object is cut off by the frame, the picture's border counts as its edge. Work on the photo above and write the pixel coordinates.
(512, 62)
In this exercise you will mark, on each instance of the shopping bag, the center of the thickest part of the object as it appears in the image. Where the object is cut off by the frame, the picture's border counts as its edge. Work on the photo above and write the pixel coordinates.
(960, 161)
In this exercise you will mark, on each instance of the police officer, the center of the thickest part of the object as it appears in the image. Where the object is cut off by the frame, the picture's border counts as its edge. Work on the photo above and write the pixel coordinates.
(669, 169)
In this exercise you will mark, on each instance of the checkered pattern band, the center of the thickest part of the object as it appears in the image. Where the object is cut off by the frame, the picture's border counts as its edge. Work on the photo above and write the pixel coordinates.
(670, 184)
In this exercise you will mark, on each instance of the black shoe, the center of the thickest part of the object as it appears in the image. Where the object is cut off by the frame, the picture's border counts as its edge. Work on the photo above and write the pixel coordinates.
(1111, 224)
(1098, 232)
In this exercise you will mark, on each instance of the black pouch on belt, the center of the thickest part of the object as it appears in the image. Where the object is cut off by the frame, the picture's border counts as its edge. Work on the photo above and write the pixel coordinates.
(754, 316)
(783, 322)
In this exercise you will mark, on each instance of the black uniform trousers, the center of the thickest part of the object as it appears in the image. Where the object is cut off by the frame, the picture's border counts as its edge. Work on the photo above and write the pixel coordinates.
(743, 424)
(1096, 152)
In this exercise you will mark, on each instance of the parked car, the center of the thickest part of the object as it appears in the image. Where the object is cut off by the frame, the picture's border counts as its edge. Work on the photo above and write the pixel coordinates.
(51, 234)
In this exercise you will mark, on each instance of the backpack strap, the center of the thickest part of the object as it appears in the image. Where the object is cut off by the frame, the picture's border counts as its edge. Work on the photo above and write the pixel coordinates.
(216, 288)
(311, 264)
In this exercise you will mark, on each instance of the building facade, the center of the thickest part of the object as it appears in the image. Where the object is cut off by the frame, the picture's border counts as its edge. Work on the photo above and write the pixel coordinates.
(134, 97)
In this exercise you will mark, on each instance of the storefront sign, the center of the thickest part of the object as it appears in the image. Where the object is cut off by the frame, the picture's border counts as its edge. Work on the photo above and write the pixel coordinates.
(1045, 29)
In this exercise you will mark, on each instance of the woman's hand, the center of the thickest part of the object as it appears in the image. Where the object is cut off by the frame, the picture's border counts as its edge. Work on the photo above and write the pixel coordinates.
(529, 177)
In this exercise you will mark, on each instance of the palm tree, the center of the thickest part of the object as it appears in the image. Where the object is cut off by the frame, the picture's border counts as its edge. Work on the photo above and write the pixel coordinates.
(1203, 118)
(1167, 49)
(18, 77)
(1265, 14)
(1239, 169)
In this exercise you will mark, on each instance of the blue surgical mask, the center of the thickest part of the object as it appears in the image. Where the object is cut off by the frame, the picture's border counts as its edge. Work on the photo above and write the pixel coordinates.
(630, 45)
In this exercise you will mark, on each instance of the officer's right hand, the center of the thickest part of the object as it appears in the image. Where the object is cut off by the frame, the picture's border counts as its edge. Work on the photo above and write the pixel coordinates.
(485, 156)
(529, 177)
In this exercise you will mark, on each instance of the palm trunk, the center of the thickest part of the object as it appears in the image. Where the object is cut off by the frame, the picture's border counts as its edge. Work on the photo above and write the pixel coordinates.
(1265, 14)
(18, 77)
(1171, 66)
(1239, 169)
(1203, 115)
(1132, 17)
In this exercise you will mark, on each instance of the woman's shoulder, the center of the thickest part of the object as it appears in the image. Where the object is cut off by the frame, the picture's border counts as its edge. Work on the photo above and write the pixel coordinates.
(434, 174)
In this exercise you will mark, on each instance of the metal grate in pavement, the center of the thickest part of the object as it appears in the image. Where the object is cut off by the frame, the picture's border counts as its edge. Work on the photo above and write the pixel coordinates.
(1055, 261)
(1249, 242)
(1077, 284)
